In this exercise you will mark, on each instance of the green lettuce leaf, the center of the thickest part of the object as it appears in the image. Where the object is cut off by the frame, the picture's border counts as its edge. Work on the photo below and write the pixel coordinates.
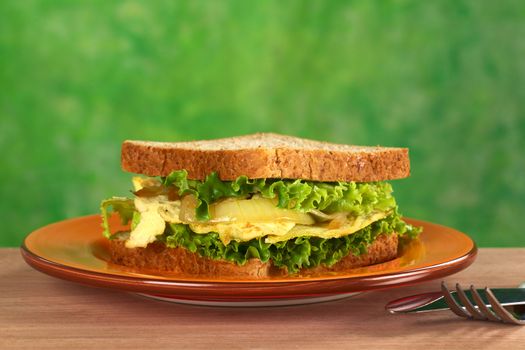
(301, 252)
(121, 205)
(355, 198)
(209, 245)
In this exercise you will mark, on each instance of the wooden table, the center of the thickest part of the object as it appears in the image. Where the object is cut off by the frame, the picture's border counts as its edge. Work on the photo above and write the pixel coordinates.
(41, 312)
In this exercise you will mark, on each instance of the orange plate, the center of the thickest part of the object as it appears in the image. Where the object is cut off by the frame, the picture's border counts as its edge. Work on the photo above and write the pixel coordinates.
(74, 250)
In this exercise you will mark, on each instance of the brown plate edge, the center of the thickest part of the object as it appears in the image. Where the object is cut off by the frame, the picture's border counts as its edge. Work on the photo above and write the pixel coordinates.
(250, 289)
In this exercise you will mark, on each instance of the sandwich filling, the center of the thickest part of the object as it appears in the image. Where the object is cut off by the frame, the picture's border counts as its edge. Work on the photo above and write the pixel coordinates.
(294, 223)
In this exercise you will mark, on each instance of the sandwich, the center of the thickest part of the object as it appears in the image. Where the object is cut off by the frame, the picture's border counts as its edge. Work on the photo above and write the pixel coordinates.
(257, 206)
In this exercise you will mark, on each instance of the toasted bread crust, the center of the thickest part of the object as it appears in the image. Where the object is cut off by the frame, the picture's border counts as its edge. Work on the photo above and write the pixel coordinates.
(158, 257)
(267, 156)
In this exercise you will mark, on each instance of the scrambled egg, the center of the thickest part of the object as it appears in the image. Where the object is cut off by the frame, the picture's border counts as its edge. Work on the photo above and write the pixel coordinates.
(243, 231)
(154, 213)
(321, 230)
(150, 226)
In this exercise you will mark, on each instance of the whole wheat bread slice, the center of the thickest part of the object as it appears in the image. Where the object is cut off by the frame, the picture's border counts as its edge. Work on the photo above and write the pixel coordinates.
(157, 257)
(266, 155)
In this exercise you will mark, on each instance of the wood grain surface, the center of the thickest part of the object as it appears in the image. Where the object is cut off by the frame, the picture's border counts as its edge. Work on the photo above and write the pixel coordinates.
(41, 312)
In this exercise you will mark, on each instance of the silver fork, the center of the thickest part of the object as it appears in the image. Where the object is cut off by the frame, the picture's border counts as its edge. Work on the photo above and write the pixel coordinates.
(505, 305)
(480, 311)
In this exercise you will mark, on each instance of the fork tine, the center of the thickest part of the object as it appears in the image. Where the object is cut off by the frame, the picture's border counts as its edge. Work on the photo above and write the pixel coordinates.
(475, 313)
(452, 304)
(482, 307)
(500, 311)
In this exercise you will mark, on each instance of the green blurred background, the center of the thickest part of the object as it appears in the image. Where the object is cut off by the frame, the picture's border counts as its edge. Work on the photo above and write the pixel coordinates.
(445, 78)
